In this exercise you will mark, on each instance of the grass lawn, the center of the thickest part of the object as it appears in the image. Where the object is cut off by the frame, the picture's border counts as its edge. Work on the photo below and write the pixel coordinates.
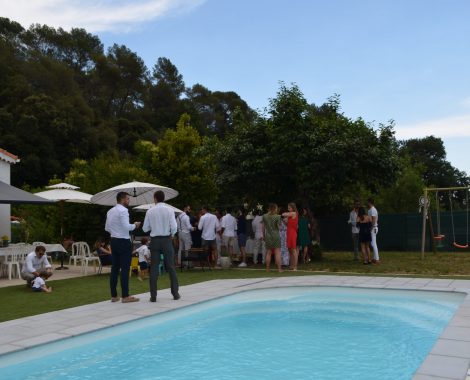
(19, 301)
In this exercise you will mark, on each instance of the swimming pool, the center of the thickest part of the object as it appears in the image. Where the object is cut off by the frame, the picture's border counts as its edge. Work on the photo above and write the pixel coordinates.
(279, 333)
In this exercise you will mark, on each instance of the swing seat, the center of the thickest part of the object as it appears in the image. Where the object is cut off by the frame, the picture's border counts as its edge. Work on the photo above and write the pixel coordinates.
(439, 237)
(460, 246)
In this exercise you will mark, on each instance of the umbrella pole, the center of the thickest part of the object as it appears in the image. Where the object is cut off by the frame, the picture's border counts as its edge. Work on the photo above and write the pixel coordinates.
(62, 255)
(61, 220)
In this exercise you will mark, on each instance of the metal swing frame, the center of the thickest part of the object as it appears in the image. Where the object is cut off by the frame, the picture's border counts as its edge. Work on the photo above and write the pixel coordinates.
(428, 190)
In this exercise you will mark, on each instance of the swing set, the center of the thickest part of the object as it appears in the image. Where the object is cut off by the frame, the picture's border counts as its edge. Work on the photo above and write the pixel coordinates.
(424, 203)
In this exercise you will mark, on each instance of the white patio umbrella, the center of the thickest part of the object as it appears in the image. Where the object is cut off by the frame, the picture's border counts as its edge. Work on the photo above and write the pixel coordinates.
(146, 207)
(65, 195)
(140, 193)
(64, 192)
(61, 193)
(63, 185)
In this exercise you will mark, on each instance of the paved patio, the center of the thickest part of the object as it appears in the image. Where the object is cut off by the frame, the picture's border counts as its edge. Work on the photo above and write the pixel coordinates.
(449, 358)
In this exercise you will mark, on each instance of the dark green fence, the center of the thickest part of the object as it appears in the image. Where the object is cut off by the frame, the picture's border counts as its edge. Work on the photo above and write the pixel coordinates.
(397, 232)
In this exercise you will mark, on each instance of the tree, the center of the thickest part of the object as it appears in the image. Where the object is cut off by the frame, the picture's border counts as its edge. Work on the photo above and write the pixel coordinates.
(430, 153)
(105, 171)
(121, 79)
(213, 112)
(166, 73)
(403, 195)
(306, 153)
(179, 165)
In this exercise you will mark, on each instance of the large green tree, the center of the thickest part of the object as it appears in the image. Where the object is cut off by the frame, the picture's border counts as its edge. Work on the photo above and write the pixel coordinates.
(310, 154)
(429, 152)
(179, 164)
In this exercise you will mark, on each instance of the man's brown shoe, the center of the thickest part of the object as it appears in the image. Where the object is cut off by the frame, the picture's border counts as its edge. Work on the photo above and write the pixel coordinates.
(129, 299)
(115, 299)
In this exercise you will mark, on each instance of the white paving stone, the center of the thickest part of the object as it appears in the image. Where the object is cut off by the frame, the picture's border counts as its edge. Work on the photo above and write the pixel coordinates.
(450, 347)
(77, 330)
(6, 348)
(457, 333)
(41, 339)
(429, 377)
(445, 366)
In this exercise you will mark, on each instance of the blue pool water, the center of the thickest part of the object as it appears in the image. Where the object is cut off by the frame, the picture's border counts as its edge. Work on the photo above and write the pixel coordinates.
(282, 333)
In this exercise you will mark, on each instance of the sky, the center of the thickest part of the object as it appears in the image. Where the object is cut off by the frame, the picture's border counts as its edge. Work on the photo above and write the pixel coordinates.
(387, 59)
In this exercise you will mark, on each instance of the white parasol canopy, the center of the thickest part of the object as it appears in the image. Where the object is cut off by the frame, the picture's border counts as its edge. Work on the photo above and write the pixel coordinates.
(64, 192)
(63, 185)
(150, 205)
(66, 195)
(140, 193)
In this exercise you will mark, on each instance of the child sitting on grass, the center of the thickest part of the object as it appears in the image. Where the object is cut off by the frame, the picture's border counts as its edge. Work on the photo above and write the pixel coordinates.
(144, 258)
(39, 285)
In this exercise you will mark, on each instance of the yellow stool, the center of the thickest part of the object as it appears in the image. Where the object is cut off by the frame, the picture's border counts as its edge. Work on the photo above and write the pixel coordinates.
(134, 265)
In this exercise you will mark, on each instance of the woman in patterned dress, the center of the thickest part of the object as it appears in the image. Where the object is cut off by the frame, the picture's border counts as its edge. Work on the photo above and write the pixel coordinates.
(271, 222)
(283, 235)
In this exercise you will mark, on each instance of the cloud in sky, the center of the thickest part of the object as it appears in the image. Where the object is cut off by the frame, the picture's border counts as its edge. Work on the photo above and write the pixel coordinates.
(449, 127)
(94, 16)
(465, 102)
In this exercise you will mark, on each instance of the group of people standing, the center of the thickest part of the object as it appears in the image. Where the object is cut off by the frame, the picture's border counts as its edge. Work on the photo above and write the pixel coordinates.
(288, 230)
(364, 229)
(270, 231)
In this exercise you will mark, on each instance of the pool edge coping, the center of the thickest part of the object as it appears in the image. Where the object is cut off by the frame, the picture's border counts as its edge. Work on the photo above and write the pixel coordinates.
(448, 359)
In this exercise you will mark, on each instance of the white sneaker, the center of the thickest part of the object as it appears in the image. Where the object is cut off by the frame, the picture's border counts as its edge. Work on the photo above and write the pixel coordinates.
(242, 265)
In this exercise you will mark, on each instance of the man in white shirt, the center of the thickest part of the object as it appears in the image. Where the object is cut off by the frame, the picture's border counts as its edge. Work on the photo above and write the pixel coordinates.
(184, 233)
(161, 223)
(258, 246)
(118, 226)
(228, 226)
(209, 225)
(35, 265)
(354, 229)
(374, 214)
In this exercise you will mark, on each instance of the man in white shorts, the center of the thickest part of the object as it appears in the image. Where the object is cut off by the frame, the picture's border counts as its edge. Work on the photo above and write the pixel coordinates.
(374, 214)
(228, 226)
(184, 233)
(258, 246)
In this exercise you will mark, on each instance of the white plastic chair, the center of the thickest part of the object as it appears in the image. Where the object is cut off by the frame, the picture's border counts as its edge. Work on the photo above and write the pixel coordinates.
(87, 257)
(76, 254)
(12, 260)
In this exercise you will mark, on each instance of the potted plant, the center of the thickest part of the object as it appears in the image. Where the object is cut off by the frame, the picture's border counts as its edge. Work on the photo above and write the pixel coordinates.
(5, 240)
(225, 261)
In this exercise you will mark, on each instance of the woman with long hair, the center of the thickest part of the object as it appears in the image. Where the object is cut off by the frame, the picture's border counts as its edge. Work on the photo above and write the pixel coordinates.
(303, 236)
(283, 234)
(364, 222)
(292, 225)
(271, 222)
(103, 251)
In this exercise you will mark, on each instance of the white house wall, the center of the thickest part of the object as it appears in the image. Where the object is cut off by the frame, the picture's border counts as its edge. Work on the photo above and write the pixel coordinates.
(5, 210)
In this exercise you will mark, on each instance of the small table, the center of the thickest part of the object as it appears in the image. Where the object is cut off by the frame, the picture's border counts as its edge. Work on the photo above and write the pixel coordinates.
(195, 254)
(59, 248)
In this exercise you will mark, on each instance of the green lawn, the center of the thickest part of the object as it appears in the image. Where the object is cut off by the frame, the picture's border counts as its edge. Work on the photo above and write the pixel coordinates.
(19, 301)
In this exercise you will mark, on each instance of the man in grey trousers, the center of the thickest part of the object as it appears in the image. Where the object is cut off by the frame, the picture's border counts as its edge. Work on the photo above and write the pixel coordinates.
(354, 229)
(161, 223)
